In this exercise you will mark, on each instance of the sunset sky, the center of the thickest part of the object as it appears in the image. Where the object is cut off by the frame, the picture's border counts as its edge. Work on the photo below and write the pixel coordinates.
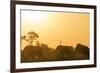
(52, 27)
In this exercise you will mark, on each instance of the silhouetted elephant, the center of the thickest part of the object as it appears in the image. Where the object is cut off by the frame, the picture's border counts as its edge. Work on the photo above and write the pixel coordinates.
(32, 53)
(82, 52)
(64, 52)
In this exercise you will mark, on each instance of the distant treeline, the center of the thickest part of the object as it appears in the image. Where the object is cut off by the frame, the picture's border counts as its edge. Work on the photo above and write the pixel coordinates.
(41, 53)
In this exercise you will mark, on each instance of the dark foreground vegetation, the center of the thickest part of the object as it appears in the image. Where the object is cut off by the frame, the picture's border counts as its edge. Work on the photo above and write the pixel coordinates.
(61, 53)
(42, 52)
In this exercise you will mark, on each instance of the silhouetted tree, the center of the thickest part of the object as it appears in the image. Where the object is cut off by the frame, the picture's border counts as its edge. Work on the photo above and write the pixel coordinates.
(23, 37)
(37, 43)
(32, 36)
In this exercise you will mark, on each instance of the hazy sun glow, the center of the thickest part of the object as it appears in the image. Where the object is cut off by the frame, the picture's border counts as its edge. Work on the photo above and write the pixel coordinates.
(70, 28)
(34, 16)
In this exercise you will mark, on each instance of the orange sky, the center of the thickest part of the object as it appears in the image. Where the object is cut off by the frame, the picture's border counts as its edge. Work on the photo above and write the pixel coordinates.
(70, 28)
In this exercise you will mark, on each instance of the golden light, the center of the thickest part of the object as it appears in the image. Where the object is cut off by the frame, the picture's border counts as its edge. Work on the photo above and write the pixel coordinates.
(55, 26)
(34, 16)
